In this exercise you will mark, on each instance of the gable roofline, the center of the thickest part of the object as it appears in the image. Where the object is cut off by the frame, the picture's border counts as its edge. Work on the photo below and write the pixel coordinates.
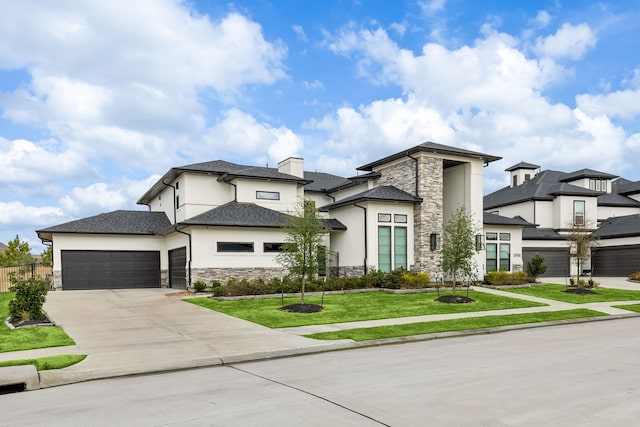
(495, 219)
(586, 173)
(433, 148)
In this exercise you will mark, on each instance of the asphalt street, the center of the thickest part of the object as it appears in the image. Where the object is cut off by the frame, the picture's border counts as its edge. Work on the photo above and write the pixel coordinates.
(581, 374)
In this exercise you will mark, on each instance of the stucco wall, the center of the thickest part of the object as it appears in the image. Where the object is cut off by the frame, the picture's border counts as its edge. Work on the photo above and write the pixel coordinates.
(517, 263)
(290, 193)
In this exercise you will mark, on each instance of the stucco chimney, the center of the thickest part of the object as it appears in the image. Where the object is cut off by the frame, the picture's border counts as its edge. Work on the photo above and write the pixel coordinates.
(292, 166)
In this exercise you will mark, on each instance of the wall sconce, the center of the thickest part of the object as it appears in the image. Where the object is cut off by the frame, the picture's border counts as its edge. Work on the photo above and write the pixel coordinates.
(479, 242)
(433, 241)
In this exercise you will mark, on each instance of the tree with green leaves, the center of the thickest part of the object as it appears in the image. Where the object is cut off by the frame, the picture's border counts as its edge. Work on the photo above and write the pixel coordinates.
(302, 243)
(582, 244)
(536, 267)
(17, 253)
(459, 247)
(47, 256)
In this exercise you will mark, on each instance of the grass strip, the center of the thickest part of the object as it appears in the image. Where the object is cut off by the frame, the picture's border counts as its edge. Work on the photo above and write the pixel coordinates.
(557, 292)
(470, 323)
(630, 307)
(49, 362)
(28, 338)
(355, 307)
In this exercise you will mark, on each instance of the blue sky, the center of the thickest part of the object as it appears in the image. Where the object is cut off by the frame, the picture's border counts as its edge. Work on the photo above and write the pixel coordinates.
(98, 99)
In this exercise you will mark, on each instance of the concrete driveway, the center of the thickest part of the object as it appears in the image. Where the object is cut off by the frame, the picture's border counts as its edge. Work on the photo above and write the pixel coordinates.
(147, 330)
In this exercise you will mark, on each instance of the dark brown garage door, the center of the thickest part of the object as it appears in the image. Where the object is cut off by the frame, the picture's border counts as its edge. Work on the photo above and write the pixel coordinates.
(110, 269)
(177, 268)
(556, 260)
(618, 261)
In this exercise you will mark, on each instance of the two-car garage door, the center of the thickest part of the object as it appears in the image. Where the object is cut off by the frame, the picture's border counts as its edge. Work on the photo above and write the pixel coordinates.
(110, 269)
(616, 261)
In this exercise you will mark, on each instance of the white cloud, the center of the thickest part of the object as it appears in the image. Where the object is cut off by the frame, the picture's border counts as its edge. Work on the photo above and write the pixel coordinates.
(624, 104)
(542, 19)
(570, 41)
(429, 7)
(241, 133)
(17, 215)
(299, 30)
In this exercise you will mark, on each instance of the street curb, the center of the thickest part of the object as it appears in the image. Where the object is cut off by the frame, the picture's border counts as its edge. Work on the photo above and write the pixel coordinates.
(55, 378)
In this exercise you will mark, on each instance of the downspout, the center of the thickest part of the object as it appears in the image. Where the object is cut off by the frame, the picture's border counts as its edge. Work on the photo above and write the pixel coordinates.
(174, 200)
(223, 178)
(366, 246)
(416, 178)
(326, 193)
(189, 267)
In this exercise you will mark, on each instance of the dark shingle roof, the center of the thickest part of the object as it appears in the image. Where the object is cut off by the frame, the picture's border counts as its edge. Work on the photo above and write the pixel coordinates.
(385, 193)
(493, 219)
(543, 186)
(541, 234)
(321, 181)
(622, 226)
(522, 165)
(617, 200)
(586, 173)
(627, 187)
(116, 222)
(431, 147)
(235, 214)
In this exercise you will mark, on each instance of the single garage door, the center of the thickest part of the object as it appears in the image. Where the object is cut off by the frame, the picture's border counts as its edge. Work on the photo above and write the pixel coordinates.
(177, 268)
(556, 260)
(110, 269)
(616, 261)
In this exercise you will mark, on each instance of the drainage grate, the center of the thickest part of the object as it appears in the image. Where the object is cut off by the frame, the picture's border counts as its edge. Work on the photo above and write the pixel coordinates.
(12, 388)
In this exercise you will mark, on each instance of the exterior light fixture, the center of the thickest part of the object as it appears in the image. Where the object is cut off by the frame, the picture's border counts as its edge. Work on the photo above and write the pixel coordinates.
(479, 242)
(433, 241)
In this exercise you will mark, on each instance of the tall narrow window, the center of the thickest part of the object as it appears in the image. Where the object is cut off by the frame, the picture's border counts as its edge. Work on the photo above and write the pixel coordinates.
(384, 248)
(578, 212)
(505, 256)
(400, 247)
(515, 180)
(492, 256)
(177, 195)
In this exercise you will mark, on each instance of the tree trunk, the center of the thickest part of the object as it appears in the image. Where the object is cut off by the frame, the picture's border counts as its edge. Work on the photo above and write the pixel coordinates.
(304, 279)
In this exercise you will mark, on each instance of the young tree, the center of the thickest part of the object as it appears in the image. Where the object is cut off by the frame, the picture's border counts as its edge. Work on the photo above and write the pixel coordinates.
(303, 240)
(17, 253)
(582, 244)
(459, 247)
(47, 256)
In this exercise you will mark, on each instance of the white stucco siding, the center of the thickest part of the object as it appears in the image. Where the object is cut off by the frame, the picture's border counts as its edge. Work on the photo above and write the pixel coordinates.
(163, 202)
(319, 199)
(289, 193)
(463, 187)
(543, 214)
(624, 241)
(563, 211)
(605, 212)
(351, 191)
(349, 244)
(524, 209)
(200, 193)
(107, 242)
(205, 254)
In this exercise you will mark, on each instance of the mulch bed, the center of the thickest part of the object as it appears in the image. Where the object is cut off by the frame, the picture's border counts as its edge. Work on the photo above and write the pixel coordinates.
(580, 291)
(454, 299)
(43, 321)
(302, 308)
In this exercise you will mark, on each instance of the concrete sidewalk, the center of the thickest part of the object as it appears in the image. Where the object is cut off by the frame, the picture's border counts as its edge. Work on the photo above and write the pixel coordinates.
(138, 331)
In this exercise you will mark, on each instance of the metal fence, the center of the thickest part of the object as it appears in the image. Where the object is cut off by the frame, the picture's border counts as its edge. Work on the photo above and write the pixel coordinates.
(30, 270)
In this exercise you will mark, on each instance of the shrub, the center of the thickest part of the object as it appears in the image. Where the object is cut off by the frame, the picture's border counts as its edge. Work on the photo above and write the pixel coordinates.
(504, 278)
(199, 286)
(415, 280)
(635, 276)
(536, 267)
(30, 295)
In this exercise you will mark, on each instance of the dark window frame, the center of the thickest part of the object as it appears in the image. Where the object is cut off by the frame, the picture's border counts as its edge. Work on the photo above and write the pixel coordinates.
(241, 247)
(260, 195)
(272, 247)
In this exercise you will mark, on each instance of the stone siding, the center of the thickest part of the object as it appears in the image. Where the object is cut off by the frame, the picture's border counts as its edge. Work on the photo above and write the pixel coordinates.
(428, 216)
(57, 280)
(350, 270)
(208, 275)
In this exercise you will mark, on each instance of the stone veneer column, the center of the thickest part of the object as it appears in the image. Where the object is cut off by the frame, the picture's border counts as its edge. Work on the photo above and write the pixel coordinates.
(428, 216)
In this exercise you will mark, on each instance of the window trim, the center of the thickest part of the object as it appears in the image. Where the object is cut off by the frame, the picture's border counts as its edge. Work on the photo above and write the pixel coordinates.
(577, 203)
(264, 195)
(274, 249)
(384, 217)
(400, 218)
(249, 245)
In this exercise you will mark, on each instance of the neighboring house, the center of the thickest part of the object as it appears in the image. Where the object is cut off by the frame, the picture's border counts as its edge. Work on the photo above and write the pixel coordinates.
(218, 220)
(3, 247)
(556, 202)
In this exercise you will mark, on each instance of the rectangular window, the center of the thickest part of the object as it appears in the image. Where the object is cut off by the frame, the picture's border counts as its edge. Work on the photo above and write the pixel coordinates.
(492, 256)
(505, 236)
(177, 195)
(400, 247)
(492, 236)
(578, 212)
(384, 248)
(268, 195)
(272, 247)
(400, 219)
(383, 217)
(527, 177)
(505, 256)
(515, 181)
(598, 184)
(235, 246)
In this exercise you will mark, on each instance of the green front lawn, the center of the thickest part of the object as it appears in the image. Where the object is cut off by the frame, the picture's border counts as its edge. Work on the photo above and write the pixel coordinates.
(355, 307)
(49, 362)
(630, 307)
(392, 331)
(556, 292)
(28, 338)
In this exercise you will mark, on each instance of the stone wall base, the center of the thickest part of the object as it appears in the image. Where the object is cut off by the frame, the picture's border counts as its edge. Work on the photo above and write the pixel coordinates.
(222, 275)
(350, 270)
